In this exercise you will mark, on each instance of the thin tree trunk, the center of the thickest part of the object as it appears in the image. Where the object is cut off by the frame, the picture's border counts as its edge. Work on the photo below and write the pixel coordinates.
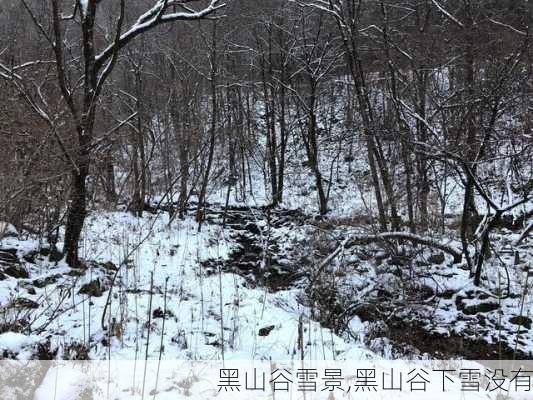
(200, 212)
(311, 146)
(283, 143)
(76, 214)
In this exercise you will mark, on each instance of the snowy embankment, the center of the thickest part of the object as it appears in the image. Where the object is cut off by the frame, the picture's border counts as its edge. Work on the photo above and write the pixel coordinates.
(188, 312)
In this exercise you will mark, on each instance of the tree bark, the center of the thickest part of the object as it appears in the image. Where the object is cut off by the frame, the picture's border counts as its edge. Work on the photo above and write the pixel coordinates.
(76, 214)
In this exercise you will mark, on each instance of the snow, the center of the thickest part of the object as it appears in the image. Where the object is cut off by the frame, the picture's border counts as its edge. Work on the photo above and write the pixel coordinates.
(84, 4)
(193, 298)
(7, 229)
(142, 246)
(22, 246)
(200, 380)
(199, 301)
(17, 343)
(207, 308)
(214, 314)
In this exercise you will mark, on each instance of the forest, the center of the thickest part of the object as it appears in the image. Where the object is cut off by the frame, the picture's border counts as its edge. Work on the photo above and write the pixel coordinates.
(309, 179)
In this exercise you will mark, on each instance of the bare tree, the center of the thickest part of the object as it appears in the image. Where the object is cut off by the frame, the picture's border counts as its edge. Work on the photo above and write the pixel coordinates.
(81, 91)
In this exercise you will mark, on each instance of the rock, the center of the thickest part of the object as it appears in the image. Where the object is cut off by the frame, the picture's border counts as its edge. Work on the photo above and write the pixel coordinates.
(425, 292)
(8, 256)
(437, 258)
(380, 258)
(110, 266)
(266, 330)
(401, 261)
(159, 313)
(20, 380)
(521, 321)
(476, 294)
(180, 339)
(383, 294)
(420, 263)
(16, 271)
(49, 280)
(93, 288)
(251, 227)
(7, 230)
(367, 312)
(447, 293)
(53, 253)
(480, 308)
(30, 257)
(22, 302)
(76, 272)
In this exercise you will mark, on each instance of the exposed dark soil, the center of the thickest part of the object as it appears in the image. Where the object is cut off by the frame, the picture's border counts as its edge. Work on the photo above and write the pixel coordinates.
(449, 346)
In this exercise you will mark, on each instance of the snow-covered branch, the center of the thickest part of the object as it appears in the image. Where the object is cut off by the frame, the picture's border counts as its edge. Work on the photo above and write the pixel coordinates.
(409, 237)
(447, 14)
(157, 15)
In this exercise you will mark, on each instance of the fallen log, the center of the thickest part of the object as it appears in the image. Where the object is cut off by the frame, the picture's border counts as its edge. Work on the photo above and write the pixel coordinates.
(353, 240)
(410, 237)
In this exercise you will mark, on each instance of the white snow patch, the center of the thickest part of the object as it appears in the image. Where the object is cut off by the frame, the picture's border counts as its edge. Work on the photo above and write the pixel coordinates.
(7, 229)
(15, 342)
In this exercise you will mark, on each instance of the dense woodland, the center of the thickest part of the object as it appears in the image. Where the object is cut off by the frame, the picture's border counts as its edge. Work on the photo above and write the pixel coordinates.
(148, 106)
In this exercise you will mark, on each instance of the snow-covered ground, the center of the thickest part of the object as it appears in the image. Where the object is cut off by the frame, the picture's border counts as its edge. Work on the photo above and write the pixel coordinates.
(203, 311)
(152, 289)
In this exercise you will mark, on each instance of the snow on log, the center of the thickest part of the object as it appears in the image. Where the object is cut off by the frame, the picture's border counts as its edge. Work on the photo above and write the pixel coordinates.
(410, 237)
(365, 239)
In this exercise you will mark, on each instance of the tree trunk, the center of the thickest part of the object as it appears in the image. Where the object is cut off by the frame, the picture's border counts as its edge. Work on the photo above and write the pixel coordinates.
(423, 184)
(311, 147)
(485, 243)
(110, 186)
(200, 212)
(75, 217)
(184, 174)
(283, 145)
(469, 208)
(375, 182)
